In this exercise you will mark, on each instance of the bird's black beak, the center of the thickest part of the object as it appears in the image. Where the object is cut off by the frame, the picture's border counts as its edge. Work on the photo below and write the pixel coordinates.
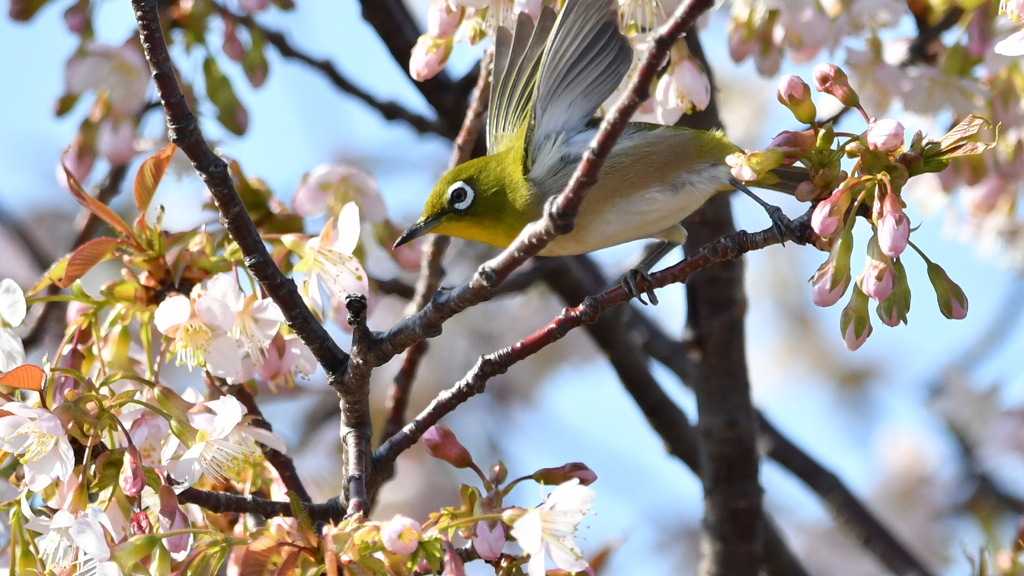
(418, 229)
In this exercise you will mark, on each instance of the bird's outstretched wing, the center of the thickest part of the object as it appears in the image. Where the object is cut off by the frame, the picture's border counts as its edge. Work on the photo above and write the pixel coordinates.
(517, 58)
(583, 63)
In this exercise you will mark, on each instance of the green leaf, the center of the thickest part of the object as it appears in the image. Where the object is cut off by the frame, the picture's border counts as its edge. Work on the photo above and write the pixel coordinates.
(230, 111)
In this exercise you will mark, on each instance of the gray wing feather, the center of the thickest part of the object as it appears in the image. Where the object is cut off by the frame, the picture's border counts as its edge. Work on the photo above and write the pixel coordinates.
(583, 63)
(517, 57)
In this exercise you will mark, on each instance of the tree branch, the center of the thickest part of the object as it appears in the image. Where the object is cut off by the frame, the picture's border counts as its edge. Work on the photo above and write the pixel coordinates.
(496, 363)
(733, 535)
(388, 109)
(431, 271)
(356, 422)
(183, 130)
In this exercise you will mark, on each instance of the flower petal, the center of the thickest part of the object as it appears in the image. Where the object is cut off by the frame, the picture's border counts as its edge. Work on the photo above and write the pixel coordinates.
(12, 303)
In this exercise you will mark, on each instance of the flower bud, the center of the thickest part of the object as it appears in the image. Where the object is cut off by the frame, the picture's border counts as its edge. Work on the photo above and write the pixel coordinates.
(132, 478)
(115, 139)
(429, 56)
(140, 524)
(795, 94)
(893, 227)
(952, 300)
(556, 476)
(793, 145)
(895, 308)
(741, 42)
(831, 79)
(442, 444)
(855, 323)
(442, 19)
(451, 564)
(488, 542)
(832, 279)
(885, 135)
(401, 535)
(830, 214)
(876, 280)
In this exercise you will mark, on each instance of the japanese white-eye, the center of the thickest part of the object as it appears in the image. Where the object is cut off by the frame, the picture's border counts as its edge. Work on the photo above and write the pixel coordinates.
(549, 79)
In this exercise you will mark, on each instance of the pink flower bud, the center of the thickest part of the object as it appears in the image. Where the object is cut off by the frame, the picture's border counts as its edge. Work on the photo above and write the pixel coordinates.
(442, 444)
(793, 144)
(830, 213)
(451, 564)
(827, 287)
(232, 46)
(172, 517)
(894, 228)
(429, 56)
(442, 19)
(556, 476)
(132, 478)
(831, 79)
(401, 535)
(489, 542)
(115, 140)
(888, 313)
(855, 323)
(140, 524)
(951, 298)
(741, 43)
(76, 18)
(795, 94)
(253, 5)
(876, 279)
(885, 135)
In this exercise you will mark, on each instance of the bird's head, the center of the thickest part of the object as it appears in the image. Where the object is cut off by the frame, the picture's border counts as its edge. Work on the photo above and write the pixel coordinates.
(486, 199)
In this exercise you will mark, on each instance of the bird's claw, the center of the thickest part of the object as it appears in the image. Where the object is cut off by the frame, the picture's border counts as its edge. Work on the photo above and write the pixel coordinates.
(633, 280)
(783, 227)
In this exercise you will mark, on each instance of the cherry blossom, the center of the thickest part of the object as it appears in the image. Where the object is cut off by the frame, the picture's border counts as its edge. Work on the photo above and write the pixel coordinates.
(329, 187)
(225, 443)
(256, 320)
(120, 71)
(285, 358)
(328, 262)
(200, 332)
(551, 526)
(89, 532)
(39, 440)
(401, 535)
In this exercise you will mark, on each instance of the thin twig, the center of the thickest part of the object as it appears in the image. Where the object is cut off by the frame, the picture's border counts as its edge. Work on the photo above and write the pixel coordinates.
(183, 130)
(431, 270)
(86, 225)
(497, 363)
(220, 502)
(281, 462)
(388, 109)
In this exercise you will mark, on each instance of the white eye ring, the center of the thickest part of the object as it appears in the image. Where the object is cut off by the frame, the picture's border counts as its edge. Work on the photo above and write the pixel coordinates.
(460, 195)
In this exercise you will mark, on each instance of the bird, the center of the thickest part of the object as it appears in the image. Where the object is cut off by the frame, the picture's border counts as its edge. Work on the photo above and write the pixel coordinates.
(549, 79)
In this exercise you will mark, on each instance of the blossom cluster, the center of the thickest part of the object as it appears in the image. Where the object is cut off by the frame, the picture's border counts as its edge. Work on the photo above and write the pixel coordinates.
(884, 163)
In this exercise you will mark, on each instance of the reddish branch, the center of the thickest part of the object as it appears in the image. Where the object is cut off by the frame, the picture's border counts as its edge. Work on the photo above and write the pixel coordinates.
(431, 270)
(497, 363)
(183, 130)
(558, 217)
(389, 110)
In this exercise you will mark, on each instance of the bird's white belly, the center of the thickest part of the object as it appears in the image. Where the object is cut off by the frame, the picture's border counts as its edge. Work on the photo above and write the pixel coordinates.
(612, 215)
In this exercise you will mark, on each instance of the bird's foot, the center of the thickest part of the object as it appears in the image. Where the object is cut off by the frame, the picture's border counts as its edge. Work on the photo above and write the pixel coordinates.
(783, 226)
(636, 283)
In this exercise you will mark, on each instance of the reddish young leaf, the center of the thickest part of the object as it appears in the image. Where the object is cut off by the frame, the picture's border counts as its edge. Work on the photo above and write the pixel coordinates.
(290, 562)
(149, 176)
(101, 210)
(85, 257)
(257, 556)
(25, 377)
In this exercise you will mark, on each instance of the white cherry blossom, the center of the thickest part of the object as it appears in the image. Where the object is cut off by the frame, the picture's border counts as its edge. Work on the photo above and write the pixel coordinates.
(39, 440)
(12, 313)
(551, 526)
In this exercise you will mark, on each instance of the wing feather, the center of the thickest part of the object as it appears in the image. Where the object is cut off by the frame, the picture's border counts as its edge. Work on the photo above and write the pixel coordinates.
(583, 63)
(517, 58)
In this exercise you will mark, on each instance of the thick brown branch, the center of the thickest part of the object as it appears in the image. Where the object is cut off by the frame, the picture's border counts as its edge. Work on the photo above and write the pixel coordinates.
(220, 502)
(183, 130)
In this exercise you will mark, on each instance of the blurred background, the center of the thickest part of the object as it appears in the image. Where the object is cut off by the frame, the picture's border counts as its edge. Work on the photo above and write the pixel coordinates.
(924, 423)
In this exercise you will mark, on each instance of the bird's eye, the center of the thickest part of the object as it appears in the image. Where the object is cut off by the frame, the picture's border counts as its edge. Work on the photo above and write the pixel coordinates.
(460, 195)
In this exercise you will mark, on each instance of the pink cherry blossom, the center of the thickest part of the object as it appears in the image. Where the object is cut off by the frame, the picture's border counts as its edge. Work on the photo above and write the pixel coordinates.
(121, 71)
(285, 358)
(401, 535)
(429, 56)
(115, 139)
(685, 87)
(329, 187)
(885, 135)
